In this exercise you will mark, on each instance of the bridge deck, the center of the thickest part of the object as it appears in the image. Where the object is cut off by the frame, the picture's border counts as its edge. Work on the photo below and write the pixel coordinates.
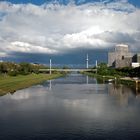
(67, 70)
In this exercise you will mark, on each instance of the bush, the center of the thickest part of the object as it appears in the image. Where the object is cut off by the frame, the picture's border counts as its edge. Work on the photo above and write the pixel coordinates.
(12, 73)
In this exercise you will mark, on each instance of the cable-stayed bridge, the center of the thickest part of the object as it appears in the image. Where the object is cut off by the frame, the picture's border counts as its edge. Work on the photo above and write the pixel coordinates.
(70, 69)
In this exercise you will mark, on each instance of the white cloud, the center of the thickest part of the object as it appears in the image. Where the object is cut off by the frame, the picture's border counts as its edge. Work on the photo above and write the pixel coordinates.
(29, 48)
(53, 28)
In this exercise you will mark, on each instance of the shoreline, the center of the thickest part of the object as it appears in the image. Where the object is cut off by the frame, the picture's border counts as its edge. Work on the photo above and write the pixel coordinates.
(135, 83)
(14, 83)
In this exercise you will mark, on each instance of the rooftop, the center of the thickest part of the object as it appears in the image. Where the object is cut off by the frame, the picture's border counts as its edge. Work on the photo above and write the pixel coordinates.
(122, 45)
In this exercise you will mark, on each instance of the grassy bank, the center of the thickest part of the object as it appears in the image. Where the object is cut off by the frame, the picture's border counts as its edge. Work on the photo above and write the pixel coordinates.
(106, 77)
(11, 83)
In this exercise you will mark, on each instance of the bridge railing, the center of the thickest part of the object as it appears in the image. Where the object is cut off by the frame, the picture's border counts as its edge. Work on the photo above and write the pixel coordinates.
(66, 70)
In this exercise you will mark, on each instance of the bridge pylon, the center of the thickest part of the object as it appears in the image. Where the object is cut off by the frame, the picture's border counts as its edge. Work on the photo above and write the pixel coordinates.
(87, 59)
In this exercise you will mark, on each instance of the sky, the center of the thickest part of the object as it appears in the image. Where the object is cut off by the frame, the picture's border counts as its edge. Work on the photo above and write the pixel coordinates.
(66, 30)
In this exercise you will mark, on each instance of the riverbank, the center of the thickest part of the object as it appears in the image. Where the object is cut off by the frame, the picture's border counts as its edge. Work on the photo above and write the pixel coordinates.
(13, 83)
(117, 79)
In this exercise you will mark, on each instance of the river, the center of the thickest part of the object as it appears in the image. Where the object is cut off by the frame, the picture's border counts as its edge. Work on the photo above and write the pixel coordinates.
(75, 107)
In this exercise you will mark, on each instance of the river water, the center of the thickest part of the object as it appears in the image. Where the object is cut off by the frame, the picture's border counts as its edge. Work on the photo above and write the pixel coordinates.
(75, 107)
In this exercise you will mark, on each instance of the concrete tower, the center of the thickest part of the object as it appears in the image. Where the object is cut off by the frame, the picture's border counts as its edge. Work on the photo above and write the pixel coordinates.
(120, 57)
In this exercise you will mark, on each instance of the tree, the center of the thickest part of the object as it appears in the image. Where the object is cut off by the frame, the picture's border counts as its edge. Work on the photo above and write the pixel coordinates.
(102, 69)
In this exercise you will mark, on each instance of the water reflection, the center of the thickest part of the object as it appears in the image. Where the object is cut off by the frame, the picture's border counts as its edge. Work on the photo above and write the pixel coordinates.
(87, 79)
(50, 84)
(73, 107)
(77, 88)
(122, 93)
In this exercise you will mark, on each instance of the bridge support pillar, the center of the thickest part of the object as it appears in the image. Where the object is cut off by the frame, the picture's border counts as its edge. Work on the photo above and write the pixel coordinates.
(50, 66)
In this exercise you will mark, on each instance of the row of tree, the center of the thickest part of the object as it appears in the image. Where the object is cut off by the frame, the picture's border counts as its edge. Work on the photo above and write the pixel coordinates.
(23, 68)
(103, 69)
(131, 72)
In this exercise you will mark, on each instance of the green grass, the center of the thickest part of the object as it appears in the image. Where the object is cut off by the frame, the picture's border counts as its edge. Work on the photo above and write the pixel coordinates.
(106, 77)
(11, 84)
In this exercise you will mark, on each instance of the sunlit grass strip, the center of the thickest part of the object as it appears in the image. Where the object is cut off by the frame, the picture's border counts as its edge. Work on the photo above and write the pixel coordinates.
(11, 84)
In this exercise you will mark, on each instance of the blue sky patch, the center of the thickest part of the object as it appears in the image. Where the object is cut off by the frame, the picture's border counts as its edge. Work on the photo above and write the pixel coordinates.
(65, 2)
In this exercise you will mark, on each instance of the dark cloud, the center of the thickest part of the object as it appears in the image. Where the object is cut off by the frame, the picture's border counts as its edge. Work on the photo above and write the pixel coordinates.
(116, 37)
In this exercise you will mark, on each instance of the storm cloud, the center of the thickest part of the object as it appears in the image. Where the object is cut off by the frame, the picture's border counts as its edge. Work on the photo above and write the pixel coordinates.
(58, 29)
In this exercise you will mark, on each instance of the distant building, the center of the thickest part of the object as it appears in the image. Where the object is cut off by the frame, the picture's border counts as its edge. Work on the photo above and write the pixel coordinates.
(121, 57)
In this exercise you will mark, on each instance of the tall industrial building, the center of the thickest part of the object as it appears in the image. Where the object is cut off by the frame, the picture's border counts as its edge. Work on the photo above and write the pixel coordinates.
(120, 57)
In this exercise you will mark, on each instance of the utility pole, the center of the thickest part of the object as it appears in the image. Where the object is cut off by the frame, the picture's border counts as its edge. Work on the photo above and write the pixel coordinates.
(50, 66)
(87, 61)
